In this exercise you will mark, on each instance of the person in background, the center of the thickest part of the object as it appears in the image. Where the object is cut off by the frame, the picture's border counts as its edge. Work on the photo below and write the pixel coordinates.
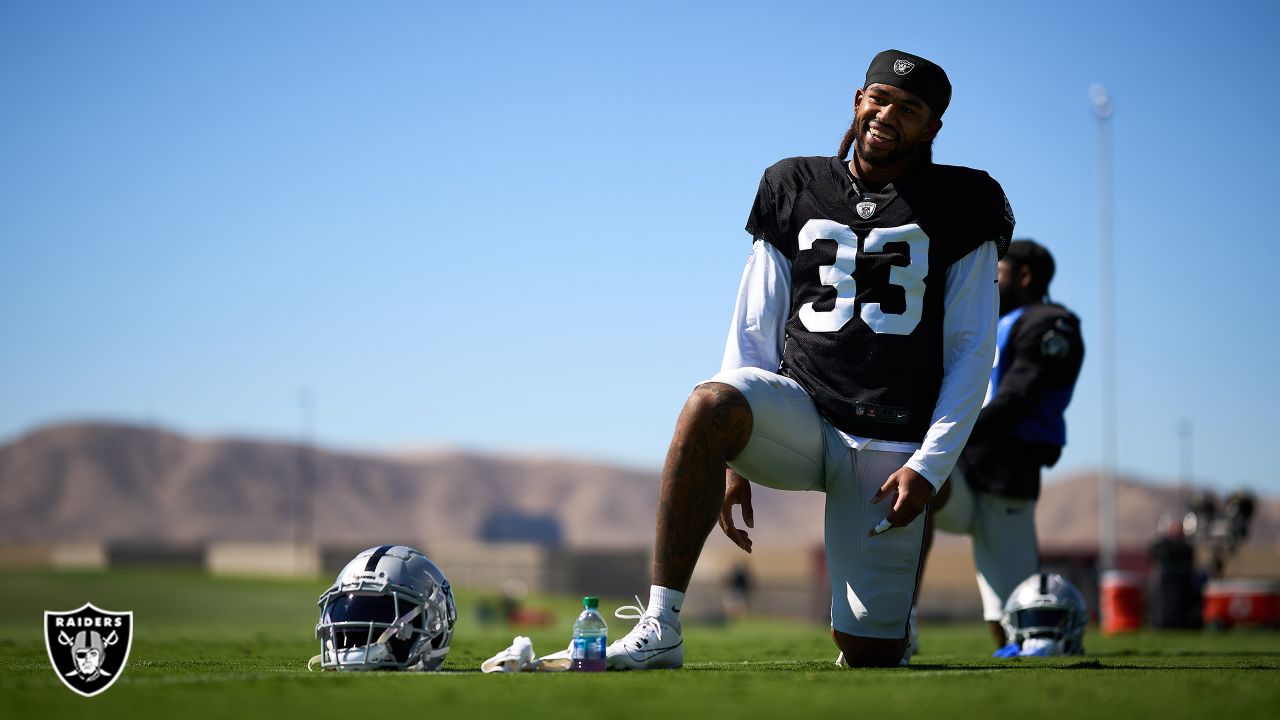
(993, 490)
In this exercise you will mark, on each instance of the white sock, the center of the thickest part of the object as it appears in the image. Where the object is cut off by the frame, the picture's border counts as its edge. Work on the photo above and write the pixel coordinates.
(665, 603)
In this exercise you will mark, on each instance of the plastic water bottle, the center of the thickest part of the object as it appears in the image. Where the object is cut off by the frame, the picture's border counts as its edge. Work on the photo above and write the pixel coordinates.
(589, 638)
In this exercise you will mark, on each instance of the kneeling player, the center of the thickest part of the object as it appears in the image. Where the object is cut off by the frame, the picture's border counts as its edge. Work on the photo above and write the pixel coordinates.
(862, 336)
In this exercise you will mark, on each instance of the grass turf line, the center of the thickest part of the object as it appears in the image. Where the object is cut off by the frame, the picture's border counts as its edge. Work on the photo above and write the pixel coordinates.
(218, 647)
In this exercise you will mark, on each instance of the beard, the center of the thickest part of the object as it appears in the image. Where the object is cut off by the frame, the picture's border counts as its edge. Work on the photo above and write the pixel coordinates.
(1008, 303)
(881, 157)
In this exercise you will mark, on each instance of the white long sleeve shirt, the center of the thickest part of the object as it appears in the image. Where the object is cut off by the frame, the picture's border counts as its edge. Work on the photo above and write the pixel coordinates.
(971, 302)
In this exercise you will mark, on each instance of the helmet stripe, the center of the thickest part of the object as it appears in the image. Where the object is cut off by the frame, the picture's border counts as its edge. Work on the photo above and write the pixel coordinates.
(375, 557)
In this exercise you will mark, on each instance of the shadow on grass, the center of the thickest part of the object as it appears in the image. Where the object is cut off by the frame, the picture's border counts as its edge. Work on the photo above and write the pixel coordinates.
(1188, 653)
(1015, 665)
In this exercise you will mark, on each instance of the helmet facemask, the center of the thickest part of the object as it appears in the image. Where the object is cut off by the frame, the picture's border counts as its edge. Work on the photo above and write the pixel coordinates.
(1046, 629)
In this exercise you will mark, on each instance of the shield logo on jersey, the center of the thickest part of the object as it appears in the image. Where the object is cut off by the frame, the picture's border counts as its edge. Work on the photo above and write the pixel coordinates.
(865, 209)
(88, 647)
(902, 67)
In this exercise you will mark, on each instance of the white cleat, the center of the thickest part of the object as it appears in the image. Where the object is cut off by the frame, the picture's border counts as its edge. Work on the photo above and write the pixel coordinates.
(653, 644)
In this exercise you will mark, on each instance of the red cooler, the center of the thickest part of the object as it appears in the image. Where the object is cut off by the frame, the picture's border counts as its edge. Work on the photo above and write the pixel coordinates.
(1242, 601)
(1122, 601)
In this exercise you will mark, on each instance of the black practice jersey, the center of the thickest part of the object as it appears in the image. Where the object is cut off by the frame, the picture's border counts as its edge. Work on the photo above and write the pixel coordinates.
(868, 276)
(1021, 428)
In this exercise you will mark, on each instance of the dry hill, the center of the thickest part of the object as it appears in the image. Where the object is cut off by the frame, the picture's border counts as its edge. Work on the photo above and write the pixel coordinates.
(110, 482)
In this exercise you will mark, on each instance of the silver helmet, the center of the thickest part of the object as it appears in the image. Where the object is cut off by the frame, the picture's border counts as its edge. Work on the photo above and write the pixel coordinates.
(1046, 615)
(389, 609)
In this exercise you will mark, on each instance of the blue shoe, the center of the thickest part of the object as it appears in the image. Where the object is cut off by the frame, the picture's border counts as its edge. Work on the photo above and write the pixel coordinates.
(1008, 651)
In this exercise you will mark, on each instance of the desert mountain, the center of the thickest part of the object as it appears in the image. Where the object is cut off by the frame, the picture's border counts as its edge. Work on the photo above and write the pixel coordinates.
(121, 483)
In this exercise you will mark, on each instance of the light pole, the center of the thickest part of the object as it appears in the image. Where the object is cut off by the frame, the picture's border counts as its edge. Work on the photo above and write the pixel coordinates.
(1106, 311)
(1184, 472)
(304, 486)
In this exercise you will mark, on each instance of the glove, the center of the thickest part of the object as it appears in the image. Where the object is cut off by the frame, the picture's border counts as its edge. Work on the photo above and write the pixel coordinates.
(521, 658)
(514, 659)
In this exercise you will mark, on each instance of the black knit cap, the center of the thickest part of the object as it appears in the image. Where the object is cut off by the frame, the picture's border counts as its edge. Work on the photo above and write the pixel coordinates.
(914, 74)
(1029, 252)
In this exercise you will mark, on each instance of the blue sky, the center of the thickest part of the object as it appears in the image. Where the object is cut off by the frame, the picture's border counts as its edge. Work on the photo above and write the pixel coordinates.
(519, 226)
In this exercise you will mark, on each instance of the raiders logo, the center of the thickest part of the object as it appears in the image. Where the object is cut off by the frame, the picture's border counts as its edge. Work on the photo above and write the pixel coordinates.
(865, 209)
(88, 647)
(902, 67)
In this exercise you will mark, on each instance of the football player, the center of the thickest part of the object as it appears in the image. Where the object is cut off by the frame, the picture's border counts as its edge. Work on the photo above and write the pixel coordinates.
(856, 363)
(993, 490)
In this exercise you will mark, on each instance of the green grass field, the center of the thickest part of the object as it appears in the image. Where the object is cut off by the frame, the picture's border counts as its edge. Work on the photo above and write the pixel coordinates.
(210, 647)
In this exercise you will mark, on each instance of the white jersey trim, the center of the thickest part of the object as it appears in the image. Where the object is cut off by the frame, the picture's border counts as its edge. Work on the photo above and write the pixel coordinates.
(972, 302)
(758, 327)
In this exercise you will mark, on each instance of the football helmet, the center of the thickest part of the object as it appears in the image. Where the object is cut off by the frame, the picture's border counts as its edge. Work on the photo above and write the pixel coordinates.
(389, 609)
(1045, 615)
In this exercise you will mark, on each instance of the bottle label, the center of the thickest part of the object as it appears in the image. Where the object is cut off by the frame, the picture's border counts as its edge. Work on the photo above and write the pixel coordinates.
(587, 648)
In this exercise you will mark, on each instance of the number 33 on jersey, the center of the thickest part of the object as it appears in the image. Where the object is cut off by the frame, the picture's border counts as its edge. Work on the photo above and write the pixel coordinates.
(909, 240)
(865, 331)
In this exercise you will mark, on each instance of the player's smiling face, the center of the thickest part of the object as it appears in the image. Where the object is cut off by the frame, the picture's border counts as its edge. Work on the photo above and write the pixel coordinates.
(891, 124)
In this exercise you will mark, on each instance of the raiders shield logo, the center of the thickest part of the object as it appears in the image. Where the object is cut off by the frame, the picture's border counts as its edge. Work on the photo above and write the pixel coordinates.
(902, 67)
(865, 209)
(88, 646)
